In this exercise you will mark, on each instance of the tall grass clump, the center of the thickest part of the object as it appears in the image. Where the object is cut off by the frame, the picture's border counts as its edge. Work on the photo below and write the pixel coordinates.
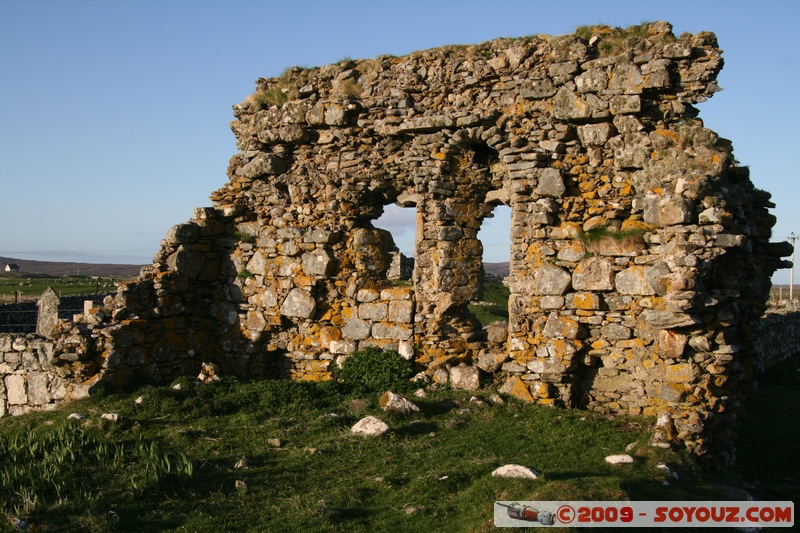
(373, 369)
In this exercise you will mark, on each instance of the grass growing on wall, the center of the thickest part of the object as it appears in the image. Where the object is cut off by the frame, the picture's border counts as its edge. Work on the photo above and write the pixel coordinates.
(169, 463)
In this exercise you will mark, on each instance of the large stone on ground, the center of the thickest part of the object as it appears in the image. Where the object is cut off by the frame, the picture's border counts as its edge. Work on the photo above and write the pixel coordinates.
(396, 403)
(370, 426)
(516, 471)
(619, 459)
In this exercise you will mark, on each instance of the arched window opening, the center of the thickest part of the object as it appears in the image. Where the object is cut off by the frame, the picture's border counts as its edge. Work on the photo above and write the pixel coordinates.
(401, 223)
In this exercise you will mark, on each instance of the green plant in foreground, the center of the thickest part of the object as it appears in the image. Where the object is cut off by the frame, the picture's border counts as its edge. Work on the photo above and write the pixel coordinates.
(244, 273)
(373, 369)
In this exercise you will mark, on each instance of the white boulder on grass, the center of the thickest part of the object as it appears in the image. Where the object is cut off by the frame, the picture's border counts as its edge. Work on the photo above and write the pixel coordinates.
(516, 471)
(370, 426)
(619, 459)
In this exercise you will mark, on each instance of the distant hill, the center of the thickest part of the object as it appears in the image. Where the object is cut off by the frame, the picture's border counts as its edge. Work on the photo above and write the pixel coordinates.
(498, 269)
(54, 268)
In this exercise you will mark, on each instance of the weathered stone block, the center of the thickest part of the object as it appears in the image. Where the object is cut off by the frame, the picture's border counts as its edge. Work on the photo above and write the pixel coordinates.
(624, 105)
(552, 302)
(401, 311)
(375, 311)
(465, 377)
(16, 390)
(185, 262)
(593, 80)
(47, 317)
(298, 304)
(517, 388)
(356, 328)
(668, 211)
(497, 332)
(550, 280)
(567, 105)
(681, 373)
(343, 346)
(550, 183)
(262, 165)
(183, 234)
(491, 361)
(558, 326)
(317, 263)
(38, 388)
(427, 124)
(633, 280)
(595, 134)
(256, 321)
(667, 320)
(615, 332)
(583, 300)
(593, 274)
(571, 251)
(672, 344)
(386, 330)
(367, 295)
(627, 78)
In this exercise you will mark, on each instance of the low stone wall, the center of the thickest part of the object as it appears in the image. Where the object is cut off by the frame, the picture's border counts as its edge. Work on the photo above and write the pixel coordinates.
(778, 336)
(21, 317)
(36, 373)
(29, 381)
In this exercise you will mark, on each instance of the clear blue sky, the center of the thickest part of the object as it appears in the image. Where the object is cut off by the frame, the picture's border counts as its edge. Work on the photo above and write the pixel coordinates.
(114, 115)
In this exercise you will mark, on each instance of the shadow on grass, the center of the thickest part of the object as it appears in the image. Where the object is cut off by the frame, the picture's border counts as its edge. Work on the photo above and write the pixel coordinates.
(767, 444)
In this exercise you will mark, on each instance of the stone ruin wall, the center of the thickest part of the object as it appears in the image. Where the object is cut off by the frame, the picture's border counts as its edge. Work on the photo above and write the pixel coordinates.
(640, 258)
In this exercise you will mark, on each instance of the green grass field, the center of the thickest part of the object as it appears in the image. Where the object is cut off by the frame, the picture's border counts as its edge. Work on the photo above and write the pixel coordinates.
(169, 463)
(494, 306)
(32, 285)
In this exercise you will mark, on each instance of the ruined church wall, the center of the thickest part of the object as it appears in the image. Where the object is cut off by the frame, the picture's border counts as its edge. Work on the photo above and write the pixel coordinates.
(640, 256)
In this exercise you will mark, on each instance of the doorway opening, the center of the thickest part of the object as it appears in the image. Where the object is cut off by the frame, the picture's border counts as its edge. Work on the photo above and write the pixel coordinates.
(495, 236)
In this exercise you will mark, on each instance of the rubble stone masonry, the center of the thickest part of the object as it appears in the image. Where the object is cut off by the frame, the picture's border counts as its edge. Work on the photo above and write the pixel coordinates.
(640, 260)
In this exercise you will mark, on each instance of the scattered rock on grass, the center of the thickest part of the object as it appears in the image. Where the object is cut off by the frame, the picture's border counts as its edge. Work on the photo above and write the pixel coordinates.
(516, 471)
(396, 403)
(619, 459)
(113, 417)
(370, 426)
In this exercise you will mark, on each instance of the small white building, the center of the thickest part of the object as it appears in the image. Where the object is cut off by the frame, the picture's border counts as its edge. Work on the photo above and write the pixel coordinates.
(12, 267)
